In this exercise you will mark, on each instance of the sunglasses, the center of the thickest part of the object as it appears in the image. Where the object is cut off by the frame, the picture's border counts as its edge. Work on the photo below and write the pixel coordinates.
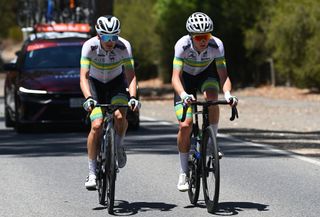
(106, 38)
(201, 37)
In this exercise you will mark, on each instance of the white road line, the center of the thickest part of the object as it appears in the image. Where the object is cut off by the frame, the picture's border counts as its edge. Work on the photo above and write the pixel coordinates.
(267, 147)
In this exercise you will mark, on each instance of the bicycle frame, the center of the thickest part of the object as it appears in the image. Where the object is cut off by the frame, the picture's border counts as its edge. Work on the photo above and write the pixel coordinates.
(107, 163)
(205, 162)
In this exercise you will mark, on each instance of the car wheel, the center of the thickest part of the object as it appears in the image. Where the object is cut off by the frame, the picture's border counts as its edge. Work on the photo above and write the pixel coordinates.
(8, 120)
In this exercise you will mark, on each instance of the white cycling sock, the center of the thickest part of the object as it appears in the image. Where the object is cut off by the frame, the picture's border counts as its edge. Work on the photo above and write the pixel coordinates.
(184, 162)
(119, 139)
(92, 166)
(215, 129)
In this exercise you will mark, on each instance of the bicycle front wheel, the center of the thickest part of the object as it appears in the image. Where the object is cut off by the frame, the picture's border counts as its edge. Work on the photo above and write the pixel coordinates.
(194, 177)
(111, 170)
(210, 170)
(101, 172)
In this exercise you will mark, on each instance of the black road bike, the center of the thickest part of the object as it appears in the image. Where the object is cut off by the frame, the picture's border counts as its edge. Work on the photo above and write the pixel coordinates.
(107, 158)
(204, 159)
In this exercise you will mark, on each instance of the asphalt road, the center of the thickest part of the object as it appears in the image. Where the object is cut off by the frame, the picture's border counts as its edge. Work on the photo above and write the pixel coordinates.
(43, 175)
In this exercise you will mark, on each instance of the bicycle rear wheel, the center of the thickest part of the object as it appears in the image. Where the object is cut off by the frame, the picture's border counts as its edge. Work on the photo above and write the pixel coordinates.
(101, 172)
(111, 170)
(194, 180)
(210, 170)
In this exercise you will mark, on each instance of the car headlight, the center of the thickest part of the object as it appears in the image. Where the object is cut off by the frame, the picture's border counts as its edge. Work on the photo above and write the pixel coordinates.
(25, 90)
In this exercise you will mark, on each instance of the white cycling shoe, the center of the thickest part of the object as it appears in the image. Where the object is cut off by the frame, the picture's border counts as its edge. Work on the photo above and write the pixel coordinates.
(183, 183)
(91, 183)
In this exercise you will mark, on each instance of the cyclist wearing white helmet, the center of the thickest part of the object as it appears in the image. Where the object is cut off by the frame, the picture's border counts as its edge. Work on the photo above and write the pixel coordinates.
(107, 69)
(193, 70)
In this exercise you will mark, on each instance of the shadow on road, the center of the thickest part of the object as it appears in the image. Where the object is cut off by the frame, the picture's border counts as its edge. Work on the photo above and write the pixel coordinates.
(280, 139)
(233, 208)
(151, 138)
(122, 207)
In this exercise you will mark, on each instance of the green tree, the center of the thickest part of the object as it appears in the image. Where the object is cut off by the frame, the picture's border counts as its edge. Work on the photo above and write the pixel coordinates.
(293, 39)
(138, 26)
(8, 16)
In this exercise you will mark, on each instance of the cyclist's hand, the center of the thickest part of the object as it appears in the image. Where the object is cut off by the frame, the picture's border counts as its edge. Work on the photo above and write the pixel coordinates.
(134, 104)
(233, 100)
(187, 98)
(89, 104)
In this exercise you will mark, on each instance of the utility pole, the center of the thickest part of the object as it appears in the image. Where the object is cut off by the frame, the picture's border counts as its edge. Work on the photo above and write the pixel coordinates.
(272, 73)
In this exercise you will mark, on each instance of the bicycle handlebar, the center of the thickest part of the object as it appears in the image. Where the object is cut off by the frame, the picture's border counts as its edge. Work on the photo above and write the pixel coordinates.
(112, 107)
(234, 111)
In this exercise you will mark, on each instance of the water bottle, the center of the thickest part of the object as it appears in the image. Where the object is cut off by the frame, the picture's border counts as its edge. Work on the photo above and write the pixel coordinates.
(197, 149)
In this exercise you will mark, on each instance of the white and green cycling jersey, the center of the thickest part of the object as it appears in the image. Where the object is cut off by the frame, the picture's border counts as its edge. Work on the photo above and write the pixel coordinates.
(190, 61)
(106, 65)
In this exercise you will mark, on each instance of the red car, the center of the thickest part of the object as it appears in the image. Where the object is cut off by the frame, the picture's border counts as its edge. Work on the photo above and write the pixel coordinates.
(43, 85)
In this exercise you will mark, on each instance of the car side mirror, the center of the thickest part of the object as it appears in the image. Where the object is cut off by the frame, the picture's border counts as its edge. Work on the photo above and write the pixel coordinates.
(10, 66)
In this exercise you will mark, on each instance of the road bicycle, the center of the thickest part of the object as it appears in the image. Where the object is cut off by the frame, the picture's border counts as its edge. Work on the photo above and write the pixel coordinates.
(107, 167)
(204, 158)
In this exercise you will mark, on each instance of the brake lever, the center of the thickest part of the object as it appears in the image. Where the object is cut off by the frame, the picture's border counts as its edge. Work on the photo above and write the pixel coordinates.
(184, 112)
(132, 105)
(234, 113)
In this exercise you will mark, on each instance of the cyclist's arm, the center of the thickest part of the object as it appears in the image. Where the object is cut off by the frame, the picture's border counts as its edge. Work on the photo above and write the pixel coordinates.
(84, 82)
(132, 81)
(176, 81)
(224, 80)
(223, 72)
(85, 62)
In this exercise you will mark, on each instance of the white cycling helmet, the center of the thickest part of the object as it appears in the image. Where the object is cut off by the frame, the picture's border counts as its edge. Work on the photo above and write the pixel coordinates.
(108, 25)
(199, 22)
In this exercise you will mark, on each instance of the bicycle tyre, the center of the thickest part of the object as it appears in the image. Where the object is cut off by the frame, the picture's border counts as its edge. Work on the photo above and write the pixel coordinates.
(194, 169)
(194, 180)
(111, 169)
(101, 173)
(210, 170)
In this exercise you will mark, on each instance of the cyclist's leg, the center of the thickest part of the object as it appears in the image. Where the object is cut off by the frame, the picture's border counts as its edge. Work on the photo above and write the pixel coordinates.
(120, 96)
(210, 89)
(185, 128)
(92, 146)
(94, 136)
(183, 142)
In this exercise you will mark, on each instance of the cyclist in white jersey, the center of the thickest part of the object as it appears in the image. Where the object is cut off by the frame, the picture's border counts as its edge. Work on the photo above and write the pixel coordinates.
(107, 69)
(193, 70)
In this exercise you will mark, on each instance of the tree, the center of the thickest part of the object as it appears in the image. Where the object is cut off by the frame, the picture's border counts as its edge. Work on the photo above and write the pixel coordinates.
(293, 39)
(7, 18)
(138, 26)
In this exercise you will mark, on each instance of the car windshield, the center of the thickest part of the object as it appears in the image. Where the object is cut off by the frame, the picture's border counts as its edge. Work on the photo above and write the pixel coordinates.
(53, 57)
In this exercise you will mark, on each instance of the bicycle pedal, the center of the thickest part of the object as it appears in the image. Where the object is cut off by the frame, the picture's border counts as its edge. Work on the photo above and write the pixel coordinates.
(221, 154)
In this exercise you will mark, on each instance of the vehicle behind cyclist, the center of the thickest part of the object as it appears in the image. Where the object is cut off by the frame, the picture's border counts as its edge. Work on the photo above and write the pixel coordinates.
(107, 69)
(193, 69)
